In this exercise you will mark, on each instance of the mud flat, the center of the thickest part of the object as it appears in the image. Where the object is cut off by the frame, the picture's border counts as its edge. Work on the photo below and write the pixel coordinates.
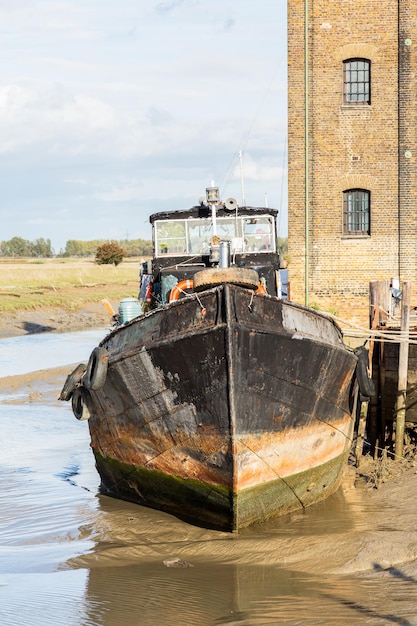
(54, 320)
(43, 385)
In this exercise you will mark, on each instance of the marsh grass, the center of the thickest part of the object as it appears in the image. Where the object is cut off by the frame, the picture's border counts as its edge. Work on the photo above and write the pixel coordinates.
(66, 283)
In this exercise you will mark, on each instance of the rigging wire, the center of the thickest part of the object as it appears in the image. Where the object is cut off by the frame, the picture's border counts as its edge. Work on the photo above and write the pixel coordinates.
(284, 158)
(246, 135)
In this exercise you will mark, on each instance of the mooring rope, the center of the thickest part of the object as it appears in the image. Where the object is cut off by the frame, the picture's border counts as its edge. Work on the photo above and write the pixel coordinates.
(360, 332)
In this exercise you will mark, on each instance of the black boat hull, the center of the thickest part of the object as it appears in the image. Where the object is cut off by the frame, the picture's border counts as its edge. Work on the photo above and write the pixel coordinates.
(224, 408)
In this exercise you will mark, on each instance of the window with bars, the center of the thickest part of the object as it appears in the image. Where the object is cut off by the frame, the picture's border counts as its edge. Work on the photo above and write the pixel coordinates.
(357, 81)
(356, 212)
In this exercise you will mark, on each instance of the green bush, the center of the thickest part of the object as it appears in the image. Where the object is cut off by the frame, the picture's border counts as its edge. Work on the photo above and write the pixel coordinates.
(110, 253)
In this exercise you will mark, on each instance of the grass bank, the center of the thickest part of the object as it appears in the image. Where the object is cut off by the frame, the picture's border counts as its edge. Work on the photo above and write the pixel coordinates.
(32, 284)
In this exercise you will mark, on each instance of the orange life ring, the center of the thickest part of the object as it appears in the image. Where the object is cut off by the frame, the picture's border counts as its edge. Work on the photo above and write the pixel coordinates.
(261, 289)
(179, 288)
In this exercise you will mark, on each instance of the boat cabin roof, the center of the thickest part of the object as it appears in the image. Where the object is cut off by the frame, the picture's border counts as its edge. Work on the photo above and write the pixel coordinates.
(204, 211)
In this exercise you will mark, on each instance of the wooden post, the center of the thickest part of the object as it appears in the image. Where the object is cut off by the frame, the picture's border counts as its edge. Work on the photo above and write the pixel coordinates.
(373, 301)
(384, 299)
(369, 419)
(361, 409)
(373, 421)
(400, 408)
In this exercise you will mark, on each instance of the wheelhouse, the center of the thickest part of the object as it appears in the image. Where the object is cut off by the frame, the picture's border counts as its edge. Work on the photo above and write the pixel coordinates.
(185, 242)
(192, 236)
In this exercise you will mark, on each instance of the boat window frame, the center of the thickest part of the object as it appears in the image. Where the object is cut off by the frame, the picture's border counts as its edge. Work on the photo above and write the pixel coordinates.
(257, 240)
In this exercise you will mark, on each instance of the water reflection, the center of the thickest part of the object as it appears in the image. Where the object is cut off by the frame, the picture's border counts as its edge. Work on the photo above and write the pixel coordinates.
(47, 599)
(211, 594)
(248, 578)
(205, 594)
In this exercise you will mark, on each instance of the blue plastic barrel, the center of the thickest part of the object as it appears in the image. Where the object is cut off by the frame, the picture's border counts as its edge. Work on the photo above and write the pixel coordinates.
(129, 308)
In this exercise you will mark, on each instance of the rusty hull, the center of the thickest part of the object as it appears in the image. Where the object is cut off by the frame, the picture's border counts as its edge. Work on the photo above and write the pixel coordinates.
(224, 408)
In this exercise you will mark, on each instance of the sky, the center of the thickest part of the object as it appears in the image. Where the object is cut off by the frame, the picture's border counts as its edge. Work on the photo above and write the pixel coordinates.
(112, 111)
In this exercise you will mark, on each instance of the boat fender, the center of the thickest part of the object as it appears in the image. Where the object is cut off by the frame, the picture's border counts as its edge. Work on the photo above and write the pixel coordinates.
(179, 288)
(96, 373)
(366, 384)
(72, 382)
(211, 277)
(81, 403)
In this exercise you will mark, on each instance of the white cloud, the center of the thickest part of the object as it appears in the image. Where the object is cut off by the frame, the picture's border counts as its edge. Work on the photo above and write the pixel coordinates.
(28, 19)
(118, 110)
(124, 193)
(52, 117)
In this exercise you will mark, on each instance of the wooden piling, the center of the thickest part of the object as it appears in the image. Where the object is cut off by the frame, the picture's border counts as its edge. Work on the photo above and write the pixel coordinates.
(369, 419)
(400, 408)
(385, 304)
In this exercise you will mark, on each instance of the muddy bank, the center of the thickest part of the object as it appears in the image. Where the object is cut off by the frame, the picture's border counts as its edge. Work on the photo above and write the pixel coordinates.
(43, 385)
(55, 320)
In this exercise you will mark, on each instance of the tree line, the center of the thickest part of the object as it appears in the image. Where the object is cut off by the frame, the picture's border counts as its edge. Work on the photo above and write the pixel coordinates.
(18, 247)
(131, 247)
(42, 248)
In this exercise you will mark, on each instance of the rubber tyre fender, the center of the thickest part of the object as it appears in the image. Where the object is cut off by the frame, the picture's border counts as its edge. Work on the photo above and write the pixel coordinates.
(72, 382)
(96, 373)
(211, 277)
(81, 403)
(366, 384)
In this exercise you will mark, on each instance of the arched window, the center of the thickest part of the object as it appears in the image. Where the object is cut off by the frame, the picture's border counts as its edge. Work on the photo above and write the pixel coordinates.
(356, 212)
(357, 81)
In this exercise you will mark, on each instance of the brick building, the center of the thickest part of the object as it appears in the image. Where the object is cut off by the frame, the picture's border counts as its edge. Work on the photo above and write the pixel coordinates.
(352, 167)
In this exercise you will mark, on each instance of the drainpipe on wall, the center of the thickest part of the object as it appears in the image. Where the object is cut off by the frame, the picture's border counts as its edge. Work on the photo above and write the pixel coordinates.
(306, 151)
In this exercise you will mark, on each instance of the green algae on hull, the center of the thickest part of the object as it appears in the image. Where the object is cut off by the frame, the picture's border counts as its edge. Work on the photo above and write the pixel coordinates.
(215, 506)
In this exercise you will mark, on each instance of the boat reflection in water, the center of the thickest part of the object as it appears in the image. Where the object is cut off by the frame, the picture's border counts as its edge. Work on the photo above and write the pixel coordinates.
(148, 566)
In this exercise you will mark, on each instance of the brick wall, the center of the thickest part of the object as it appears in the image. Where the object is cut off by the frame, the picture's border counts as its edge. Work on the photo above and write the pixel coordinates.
(352, 146)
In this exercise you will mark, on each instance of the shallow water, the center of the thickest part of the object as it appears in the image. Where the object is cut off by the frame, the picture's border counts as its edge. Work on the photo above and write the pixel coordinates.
(28, 353)
(70, 556)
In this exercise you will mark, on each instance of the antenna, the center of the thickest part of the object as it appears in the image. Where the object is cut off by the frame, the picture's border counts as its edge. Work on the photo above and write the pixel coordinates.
(241, 179)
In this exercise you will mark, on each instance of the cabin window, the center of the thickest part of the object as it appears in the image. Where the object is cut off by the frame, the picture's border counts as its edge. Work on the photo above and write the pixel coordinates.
(259, 234)
(356, 212)
(357, 81)
(170, 237)
(192, 236)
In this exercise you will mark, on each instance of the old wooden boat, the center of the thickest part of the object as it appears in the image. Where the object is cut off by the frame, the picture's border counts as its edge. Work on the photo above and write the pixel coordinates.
(213, 398)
